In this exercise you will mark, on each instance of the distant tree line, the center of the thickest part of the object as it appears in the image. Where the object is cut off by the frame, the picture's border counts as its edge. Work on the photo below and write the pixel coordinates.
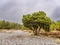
(9, 25)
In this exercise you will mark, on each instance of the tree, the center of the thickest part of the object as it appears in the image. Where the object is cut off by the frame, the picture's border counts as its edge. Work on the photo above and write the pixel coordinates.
(9, 25)
(53, 26)
(6, 25)
(1, 24)
(36, 21)
(58, 25)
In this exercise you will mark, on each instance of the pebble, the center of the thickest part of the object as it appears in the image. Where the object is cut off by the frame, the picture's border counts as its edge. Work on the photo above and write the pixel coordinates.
(5, 39)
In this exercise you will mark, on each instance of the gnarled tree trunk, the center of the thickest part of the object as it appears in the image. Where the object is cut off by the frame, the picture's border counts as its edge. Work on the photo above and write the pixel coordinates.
(37, 31)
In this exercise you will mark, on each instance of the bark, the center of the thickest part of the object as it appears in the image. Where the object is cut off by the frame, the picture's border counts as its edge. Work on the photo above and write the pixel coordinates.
(36, 32)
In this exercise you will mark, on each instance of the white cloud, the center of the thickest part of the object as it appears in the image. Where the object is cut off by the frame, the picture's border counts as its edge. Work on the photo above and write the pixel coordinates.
(13, 10)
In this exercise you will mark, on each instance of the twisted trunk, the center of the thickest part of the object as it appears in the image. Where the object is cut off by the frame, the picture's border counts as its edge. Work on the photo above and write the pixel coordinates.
(36, 31)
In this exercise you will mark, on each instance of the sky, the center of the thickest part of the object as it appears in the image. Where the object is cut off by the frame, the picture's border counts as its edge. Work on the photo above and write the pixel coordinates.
(13, 10)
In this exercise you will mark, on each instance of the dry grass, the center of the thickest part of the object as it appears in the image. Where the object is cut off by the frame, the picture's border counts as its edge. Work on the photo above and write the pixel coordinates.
(58, 41)
(2, 30)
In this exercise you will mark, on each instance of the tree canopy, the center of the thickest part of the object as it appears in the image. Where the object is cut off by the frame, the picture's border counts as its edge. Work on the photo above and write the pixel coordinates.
(37, 20)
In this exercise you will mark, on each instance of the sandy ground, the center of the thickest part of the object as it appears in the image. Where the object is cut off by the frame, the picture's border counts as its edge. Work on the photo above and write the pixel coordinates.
(23, 38)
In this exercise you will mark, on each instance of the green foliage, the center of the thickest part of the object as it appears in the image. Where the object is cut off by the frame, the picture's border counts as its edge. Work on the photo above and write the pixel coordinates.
(55, 25)
(58, 25)
(37, 20)
(9, 25)
(24, 28)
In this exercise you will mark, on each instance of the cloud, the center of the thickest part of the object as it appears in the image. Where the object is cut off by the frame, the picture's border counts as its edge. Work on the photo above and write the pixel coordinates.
(13, 10)
(56, 14)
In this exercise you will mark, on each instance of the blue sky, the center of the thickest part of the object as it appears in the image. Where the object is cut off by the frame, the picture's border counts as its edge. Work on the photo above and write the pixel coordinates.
(13, 10)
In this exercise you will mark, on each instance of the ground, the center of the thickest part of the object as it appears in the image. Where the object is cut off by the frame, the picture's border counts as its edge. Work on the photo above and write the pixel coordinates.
(23, 38)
